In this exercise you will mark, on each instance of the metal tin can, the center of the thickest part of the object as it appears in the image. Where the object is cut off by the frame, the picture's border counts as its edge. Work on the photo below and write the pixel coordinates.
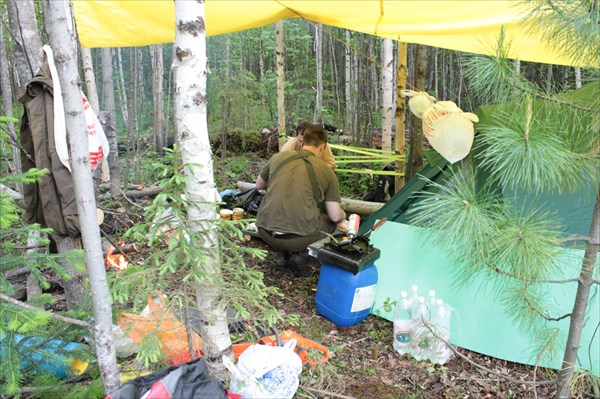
(353, 226)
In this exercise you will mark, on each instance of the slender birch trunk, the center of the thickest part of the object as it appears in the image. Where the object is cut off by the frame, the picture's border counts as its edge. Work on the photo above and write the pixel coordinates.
(280, 83)
(90, 79)
(318, 117)
(28, 44)
(157, 72)
(63, 44)
(387, 81)
(577, 77)
(191, 70)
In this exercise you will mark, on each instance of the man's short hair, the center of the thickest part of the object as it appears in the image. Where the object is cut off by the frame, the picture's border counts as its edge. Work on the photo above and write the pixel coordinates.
(314, 135)
(301, 127)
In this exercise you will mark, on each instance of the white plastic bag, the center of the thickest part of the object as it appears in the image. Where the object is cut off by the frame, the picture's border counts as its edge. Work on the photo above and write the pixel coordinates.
(419, 102)
(265, 371)
(97, 142)
(449, 130)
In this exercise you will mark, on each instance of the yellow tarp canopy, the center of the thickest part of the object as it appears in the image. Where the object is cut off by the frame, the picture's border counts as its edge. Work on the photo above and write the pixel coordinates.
(471, 26)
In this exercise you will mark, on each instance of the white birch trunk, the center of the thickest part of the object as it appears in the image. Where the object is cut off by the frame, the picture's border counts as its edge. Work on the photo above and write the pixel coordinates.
(191, 126)
(90, 79)
(348, 81)
(280, 83)
(387, 82)
(122, 92)
(28, 45)
(318, 117)
(63, 45)
(577, 77)
(156, 56)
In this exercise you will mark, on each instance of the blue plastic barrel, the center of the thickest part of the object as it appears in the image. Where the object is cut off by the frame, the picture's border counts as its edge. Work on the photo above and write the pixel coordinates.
(51, 356)
(343, 297)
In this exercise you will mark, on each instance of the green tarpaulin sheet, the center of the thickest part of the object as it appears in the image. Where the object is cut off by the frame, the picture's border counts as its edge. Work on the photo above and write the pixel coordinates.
(480, 323)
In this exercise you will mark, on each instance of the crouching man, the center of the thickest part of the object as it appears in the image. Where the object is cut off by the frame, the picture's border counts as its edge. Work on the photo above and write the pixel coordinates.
(302, 200)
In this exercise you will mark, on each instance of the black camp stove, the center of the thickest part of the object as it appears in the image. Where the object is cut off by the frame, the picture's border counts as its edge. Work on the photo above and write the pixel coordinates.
(353, 256)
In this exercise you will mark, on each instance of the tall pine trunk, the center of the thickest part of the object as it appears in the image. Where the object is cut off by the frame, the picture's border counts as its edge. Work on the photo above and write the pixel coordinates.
(581, 300)
(401, 110)
(63, 44)
(191, 70)
(415, 155)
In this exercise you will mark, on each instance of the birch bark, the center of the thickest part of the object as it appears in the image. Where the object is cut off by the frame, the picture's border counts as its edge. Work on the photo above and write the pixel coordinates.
(387, 81)
(191, 125)
(28, 45)
(318, 117)
(63, 44)
(90, 79)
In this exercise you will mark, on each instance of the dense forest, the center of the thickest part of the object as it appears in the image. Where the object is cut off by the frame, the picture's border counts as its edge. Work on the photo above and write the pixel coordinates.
(159, 182)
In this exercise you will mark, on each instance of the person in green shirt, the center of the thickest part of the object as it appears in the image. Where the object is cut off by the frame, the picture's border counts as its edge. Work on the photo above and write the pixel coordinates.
(302, 200)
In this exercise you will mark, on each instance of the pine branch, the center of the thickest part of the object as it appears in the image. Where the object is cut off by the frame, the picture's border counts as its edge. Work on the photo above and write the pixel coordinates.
(536, 310)
(36, 309)
(537, 361)
(507, 274)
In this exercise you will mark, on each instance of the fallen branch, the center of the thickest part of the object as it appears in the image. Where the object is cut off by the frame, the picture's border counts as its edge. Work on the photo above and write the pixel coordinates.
(146, 192)
(24, 305)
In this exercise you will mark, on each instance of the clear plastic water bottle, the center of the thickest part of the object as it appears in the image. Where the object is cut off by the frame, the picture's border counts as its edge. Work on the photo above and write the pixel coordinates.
(420, 334)
(440, 320)
(431, 300)
(413, 299)
(402, 324)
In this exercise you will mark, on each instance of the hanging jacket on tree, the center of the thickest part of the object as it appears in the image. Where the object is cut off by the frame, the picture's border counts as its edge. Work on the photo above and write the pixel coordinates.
(51, 201)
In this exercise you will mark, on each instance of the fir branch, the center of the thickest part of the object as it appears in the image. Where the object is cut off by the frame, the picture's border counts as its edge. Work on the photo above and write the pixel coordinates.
(51, 314)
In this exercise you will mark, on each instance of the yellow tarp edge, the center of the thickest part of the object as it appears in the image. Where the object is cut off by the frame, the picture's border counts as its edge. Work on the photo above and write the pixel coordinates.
(470, 26)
